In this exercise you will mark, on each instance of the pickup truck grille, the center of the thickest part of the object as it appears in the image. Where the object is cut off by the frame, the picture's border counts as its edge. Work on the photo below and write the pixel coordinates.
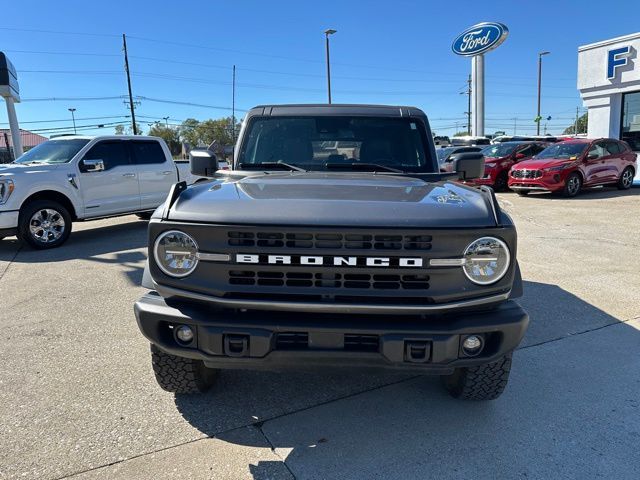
(329, 280)
(328, 241)
(523, 173)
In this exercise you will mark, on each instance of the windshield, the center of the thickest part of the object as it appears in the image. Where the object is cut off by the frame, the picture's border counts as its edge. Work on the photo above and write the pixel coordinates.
(322, 143)
(499, 150)
(563, 150)
(53, 151)
(443, 152)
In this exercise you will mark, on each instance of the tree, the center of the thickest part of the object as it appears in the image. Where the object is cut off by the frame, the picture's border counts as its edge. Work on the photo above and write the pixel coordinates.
(170, 135)
(203, 134)
(119, 129)
(461, 134)
(583, 122)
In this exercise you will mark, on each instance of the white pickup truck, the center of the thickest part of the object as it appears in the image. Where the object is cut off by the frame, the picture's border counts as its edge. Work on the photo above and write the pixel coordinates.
(79, 178)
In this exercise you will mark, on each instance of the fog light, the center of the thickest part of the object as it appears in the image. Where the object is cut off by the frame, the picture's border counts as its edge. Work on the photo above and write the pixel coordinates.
(184, 333)
(472, 345)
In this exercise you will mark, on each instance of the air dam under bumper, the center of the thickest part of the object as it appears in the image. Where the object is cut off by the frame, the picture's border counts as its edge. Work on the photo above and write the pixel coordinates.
(277, 340)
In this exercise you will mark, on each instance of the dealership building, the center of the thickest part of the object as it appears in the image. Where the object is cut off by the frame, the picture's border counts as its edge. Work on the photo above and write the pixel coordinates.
(609, 84)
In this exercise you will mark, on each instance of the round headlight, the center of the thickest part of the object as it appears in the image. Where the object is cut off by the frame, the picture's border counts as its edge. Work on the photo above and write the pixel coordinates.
(176, 253)
(486, 260)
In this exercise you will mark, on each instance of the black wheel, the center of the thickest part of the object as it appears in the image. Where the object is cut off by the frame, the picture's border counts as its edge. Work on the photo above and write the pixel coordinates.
(144, 215)
(522, 193)
(573, 185)
(483, 382)
(181, 375)
(501, 182)
(626, 179)
(44, 224)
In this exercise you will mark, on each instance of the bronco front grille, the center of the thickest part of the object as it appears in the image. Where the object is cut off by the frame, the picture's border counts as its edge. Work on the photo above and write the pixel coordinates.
(524, 173)
(329, 280)
(329, 241)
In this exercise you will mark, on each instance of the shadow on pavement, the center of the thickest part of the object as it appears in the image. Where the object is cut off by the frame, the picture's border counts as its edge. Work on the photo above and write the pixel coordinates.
(108, 244)
(411, 421)
(594, 193)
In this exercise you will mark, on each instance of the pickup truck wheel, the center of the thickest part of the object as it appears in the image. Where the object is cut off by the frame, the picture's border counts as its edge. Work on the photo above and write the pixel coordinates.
(483, 382)
(44, 224)
(626, 179)
(181, 375)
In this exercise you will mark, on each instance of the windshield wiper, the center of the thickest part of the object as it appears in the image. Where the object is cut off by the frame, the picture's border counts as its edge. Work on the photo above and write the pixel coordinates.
(262, 165)
(364, 165)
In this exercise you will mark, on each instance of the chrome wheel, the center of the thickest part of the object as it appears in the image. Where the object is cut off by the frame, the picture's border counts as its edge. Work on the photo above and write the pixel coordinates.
(627, 178)
(46, 225)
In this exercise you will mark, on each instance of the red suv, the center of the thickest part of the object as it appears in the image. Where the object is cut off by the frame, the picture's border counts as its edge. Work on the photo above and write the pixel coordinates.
(500, 157)
(568, 166)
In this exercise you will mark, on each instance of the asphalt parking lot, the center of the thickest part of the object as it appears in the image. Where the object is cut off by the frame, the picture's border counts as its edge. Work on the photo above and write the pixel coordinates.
(78, 398)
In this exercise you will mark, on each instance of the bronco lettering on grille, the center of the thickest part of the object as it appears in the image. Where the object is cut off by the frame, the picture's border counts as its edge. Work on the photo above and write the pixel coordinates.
(405, 262)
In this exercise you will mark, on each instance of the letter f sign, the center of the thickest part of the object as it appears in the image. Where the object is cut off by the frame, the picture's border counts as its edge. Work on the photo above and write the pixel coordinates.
(616, 58)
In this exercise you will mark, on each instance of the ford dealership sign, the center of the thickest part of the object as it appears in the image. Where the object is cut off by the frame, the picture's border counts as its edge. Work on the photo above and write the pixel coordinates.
(480, 39)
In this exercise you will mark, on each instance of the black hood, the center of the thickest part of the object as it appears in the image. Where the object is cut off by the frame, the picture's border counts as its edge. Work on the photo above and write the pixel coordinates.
(334, 199)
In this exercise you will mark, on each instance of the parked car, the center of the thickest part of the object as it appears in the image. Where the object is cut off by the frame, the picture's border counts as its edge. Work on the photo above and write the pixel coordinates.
(445, 160)
(499, 159)
(79, 178)
(468, 141)
(293, 259)
(568, 166)
(441, 141)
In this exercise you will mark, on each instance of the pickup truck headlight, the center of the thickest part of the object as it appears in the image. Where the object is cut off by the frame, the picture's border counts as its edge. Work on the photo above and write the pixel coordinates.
(486, 260)
(6, 188)
(176, 253)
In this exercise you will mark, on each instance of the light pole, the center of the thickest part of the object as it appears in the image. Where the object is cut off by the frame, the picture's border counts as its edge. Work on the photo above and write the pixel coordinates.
(538, 118)
(166, 121)
(73, 117)
(326, 36)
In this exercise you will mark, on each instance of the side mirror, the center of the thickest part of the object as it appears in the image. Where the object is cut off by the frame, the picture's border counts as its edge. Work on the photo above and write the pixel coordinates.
(592, 156)
(468, 165)
(92, 165)
(520, 156)
(204, 163)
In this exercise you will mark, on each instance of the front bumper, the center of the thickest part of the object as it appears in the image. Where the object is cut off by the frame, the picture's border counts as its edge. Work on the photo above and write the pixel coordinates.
(549, 182)
(276, 340)
(8, 223)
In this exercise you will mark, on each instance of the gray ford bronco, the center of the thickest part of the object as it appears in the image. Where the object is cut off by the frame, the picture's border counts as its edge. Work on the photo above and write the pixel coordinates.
(333, 242)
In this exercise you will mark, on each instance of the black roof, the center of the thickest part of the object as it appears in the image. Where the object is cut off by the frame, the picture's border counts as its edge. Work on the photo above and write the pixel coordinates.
(336, 109)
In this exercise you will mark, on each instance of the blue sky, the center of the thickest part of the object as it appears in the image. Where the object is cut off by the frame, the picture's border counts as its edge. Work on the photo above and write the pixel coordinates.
(391, 52)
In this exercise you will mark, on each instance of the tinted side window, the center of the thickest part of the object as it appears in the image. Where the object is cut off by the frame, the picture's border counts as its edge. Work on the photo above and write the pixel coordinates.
(113, 154)
(613, 148)
(147, 153)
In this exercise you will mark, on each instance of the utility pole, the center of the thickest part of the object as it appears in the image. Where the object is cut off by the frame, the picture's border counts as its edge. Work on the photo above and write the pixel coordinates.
(538, 118)
(326, 35)
(233, 106)
(166, 121)
(126, 69)
(73, 117)
(468, 112)
(575, 129)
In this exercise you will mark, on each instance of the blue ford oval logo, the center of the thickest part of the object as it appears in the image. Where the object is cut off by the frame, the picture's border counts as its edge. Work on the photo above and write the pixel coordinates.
(479, 39)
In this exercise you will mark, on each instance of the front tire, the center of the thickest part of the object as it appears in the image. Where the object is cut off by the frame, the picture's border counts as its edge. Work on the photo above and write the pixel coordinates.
(501, 184)
(44, 224)
(522, 193)
(181, 375)
(572, 185)
(482, 382)
(626, 179)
